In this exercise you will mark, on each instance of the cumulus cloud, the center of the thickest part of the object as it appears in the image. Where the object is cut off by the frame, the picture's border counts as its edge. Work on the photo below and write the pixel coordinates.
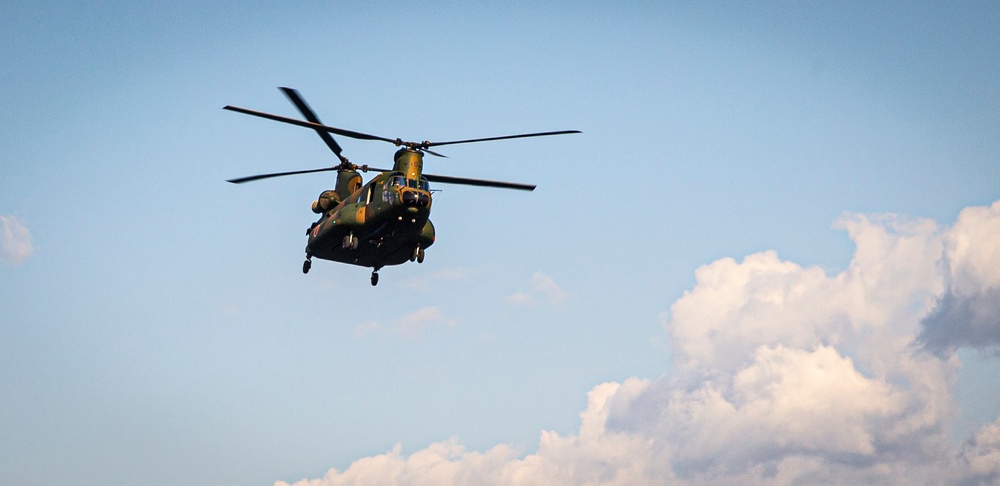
(595, 456)
(982, 455)
(783, 374)
(15, 241)
(543, 291)
(968, 314)
(412, 326)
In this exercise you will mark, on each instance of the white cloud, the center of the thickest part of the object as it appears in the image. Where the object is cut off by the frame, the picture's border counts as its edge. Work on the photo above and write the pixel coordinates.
(366, 328)
(412, 326)
(783, 374)
(15, 241)
(543, 291)
(415, 324)
(973, 251)
(608, 456)
(982, 454)
(968, 314)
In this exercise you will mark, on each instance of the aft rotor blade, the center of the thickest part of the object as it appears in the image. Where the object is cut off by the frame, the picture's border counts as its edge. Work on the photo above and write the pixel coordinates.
(478, 182)
(505, 137)
(310, 115)
(241, 180)
(314, 126)
(362, 168)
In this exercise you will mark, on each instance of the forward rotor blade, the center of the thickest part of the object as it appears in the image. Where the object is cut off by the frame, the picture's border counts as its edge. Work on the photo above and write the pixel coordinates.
(314, 126)
(505, 137)
(434, 153)
(310, 115)
(241, 180)
(478, 182)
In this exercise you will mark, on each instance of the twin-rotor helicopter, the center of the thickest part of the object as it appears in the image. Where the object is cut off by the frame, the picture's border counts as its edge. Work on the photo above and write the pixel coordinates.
(386, 221)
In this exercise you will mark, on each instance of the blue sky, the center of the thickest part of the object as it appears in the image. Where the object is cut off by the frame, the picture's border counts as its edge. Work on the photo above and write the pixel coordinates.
(155, 327)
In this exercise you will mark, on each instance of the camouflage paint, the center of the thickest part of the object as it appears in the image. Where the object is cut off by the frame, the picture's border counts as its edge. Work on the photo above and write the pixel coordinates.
(410, 162)
(389, 216)
(348, 182)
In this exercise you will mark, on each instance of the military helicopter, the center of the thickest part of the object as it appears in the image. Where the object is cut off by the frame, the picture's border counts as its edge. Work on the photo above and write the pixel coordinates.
(386, 221)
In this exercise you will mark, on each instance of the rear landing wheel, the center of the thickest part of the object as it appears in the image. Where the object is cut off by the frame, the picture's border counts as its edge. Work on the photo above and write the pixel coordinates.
(306, 265)
(420, 255)
(374, 279)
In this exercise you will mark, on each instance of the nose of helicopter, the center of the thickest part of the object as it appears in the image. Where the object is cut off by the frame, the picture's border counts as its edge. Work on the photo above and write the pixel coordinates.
(419, 199)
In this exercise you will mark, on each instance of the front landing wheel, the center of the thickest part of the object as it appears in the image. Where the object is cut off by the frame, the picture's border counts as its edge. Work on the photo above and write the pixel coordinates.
(374, 279)
(306, 265)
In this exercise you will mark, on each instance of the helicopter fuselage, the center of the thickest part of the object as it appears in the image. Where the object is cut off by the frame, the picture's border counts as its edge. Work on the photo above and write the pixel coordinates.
(385, 222)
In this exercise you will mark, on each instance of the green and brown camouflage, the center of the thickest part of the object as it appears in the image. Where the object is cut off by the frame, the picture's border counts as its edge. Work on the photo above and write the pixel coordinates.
(409, 162)
(348, 182)
(385, 222)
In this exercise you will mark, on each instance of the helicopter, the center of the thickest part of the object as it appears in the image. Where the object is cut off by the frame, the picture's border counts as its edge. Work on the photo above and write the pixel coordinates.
(386, 221)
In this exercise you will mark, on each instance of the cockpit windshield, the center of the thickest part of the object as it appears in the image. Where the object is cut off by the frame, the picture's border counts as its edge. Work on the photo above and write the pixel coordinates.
(400, 181)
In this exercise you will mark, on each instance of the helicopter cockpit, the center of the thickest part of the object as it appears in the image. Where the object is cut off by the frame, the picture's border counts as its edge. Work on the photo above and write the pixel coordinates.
(411, 192)
(400, 181)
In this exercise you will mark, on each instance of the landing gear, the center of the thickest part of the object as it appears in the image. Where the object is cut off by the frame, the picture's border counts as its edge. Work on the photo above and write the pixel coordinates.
(418, 255)
(306, 265)
(374, 278)
(350, 242)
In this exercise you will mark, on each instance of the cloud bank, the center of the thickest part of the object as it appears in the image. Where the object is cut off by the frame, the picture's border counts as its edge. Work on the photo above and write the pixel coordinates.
(783, 375)
(15, 241)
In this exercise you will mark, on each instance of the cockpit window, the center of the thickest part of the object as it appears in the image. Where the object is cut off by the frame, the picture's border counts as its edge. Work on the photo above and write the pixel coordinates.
(421, 184)
(400, 181)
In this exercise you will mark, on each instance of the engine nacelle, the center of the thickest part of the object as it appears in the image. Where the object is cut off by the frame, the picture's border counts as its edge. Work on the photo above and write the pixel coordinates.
(327, 200)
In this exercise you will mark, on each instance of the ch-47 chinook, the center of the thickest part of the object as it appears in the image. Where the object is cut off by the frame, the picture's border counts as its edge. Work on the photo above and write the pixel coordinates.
(383, 222)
